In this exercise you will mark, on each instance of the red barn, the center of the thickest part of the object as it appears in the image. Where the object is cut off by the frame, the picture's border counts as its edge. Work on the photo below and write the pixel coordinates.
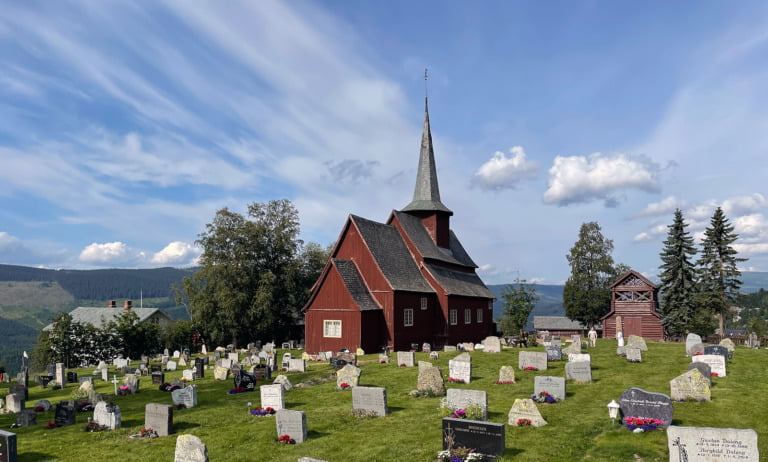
(403, 282)
(634, 300)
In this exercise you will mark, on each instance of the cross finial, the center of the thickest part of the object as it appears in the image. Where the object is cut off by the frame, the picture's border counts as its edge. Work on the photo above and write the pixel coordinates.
(426, 76)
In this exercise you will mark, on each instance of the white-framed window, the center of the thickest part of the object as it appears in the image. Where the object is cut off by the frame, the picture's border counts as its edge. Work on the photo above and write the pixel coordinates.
(332, 328)
(479, 315)
(490, 305)
(467, 316)
(408, 317)
(423, 303)
(453, 317)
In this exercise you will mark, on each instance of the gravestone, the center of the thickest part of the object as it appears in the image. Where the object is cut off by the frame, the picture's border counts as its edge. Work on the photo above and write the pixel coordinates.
(291, 423)
(20, 391)
(459, 398)
(104, 375)
(44, 404)
(182, 362)
(423, 364)
(261, 372)
(525, 409)
(704, 368)
(507, 374)
(579, 371)
(322, 357)
(159, 417)
(698, 349)
(60, 375)
(426, 347)
(729, 345)
(72, 377)
(158, 378)
(243, 379)
(108, 415)
(430, 379)
(226, 363)
(534, 359)
(621, 350)
(405, 358)
(556, 342)
(85, 379)
(634, 355)
(342, 359)
(14, 403)
(188, 374)
(297, 365)
(460, 368)
(283, 380)
(555, 386)
(350, 375)
(190, 448)
(554, 353)
(716, 350)
(359, 351)
(434, 355)
(272, 396)
(170, 366)
(199, 368)
(220, 373)
(706, 444)
(26, 418)
(484, 437)
(8, 449)
(65, 413)
(155, 367)
(715, 362)
(635, 341)
(690, 342)
(690, 385)
(635, 402)
(370, 399)
(492, 344)
(449, 348)
(579, 357)
(186, 396)
(234, 357)
(44, 380)
(383, 359)
(573, 348)
(176, 354)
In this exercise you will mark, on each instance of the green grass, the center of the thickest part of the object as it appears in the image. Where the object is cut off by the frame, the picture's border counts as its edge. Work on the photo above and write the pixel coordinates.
(578, 429)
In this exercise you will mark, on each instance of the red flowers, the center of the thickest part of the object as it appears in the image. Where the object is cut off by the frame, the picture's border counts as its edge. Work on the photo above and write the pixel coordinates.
(523, 422)
(530, 368)
(285, 439)
(715, 374)
(452, 380)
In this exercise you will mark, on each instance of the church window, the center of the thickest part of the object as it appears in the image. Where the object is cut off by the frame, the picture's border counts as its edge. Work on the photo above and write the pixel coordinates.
(408, 317)
(332, 328)
(467, 316)
(453, 317)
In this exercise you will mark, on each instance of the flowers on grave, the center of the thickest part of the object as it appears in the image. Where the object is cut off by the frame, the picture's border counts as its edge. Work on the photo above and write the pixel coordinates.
(470, 411)
(646, 425)
(715, 374)
(530, 368)
(403, 365)
(123, 389)
(283, 369)
(54, 385)
(237, 390)
(263, 412)
(51, 425)
(459, 455)
(504, 382)
(285, 439)
(698, 353)
(453, 380)
(39, 409)
(181, 406)
(523, 422)
(545, 397)
(94, 427)
(382, 362)
(169, 387)
(148, 433)
(344, 386)
(459, 414)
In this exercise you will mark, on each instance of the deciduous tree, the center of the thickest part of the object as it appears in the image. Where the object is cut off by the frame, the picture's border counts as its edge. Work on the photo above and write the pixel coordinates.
(519, 300)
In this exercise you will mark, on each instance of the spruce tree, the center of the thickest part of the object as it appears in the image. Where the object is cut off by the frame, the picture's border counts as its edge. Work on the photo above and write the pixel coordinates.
(678, 278)
(717, 267)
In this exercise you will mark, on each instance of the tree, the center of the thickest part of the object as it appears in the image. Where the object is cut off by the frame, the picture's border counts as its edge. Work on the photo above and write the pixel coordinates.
(586, 295)
(250, 284)
(518, 303)
(678, 278)
(124, 334)
(717, 268)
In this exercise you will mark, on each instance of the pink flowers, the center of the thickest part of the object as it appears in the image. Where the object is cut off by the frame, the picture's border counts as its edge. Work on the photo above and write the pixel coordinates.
(523, 422)
(452, 380)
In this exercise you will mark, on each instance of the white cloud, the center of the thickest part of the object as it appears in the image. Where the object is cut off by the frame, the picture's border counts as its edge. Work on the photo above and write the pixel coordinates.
(176, 253)
(744, 204)
(578, 179)
(502, 172)
(104, 253)
(667, 206)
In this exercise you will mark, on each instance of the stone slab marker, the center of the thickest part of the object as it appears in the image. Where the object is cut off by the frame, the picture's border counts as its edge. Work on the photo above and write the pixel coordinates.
(108, 415)
(459, 398)
(272, 396)
(525, 409)
(691, 341)
(159, 417)
(291, 423)
(370, 399)
(405, 357)
(705, 444)
(190, 448)
(635, 402)
(8, 451)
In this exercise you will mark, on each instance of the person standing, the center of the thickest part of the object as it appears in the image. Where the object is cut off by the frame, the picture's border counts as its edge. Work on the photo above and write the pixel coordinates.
(592, 336)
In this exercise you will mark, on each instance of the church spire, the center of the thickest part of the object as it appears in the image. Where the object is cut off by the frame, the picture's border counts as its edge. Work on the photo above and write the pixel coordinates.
(426, 194)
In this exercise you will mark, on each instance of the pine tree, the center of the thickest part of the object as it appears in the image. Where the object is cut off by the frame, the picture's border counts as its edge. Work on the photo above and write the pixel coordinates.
(717, 267)
(678, 278)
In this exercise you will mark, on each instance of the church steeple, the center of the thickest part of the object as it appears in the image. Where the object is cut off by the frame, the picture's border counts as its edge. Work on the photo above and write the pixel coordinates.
(426, 194)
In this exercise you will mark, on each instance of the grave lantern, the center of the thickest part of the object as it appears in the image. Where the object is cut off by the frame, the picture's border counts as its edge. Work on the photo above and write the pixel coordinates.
(613, 410)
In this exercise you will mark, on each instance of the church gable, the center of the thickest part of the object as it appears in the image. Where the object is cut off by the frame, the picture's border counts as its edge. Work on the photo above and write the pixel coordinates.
(413, 229)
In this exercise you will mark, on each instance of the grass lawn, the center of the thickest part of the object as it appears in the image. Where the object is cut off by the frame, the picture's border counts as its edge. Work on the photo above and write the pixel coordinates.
(578, 428)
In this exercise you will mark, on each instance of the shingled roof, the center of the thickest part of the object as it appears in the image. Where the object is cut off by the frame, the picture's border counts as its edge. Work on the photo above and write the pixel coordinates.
(354, 283)
(392, 255)
(459, 282)
(416, 231)
(559, 323)
(98, 317)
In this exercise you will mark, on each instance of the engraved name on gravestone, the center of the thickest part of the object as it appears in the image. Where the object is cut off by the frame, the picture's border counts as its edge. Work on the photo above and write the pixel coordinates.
(484, 437)
(292, 423)
(555, 386)
(635, 402)
(459, 398)
(716, 350)
(579, 371)
(715, 362)
(525, 409)
(690, 385)
(272, 396)
(706, 444)
(690, 342)
(370, 399)
(535, 359)
(159, 417)
(186, 396)
(405, 358)
(8, 449)
(460, 368)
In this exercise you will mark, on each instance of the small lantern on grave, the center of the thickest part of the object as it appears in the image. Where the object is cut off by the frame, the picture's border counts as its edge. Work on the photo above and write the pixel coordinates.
(613, 410)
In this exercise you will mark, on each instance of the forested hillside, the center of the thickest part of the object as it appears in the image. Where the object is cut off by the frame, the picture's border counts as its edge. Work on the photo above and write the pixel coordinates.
(14, 339)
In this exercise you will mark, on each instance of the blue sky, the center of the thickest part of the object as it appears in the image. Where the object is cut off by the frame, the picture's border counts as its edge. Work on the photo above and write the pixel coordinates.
(124, 126)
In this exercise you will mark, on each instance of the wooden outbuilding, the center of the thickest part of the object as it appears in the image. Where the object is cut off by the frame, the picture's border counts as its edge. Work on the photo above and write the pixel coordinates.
(634, 303)
(401, 283)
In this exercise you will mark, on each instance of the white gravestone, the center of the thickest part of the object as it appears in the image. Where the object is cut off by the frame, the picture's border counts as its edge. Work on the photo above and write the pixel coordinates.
(272, 396)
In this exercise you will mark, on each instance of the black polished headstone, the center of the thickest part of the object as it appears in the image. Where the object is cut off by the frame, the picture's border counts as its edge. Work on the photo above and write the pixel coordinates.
(635, 402)
(199, 368)
(20, 391)
(65, 413)
(716, 350)
(155, 368)
(158, 378)
(8, 450)
(245, 380)
(484, 437)
(71, 377)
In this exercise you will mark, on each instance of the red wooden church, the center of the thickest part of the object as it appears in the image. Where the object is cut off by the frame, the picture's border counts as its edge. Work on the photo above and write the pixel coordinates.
(403, 282)
(634, 300)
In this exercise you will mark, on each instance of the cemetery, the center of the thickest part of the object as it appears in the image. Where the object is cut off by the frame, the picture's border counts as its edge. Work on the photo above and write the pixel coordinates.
(680, 413)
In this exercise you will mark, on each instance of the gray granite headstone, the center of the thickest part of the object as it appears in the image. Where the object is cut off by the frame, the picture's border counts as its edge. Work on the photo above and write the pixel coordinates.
(44, 404)
(573, 348)
(186, 396)
(554, 353)
(449, 348)
(292, 423)
(405, 358)
(555, 386)
(297, 365)
(579, 371)
(14, 403)
(492, 344)
(635, 402)
(26, 418)
(535, 359)
(634, 355)
(690, 385)
(690, 342)
(61, 377)
(635, 341)
(706, 444)
(159, 417)
(283, 380)
(272, 396)
(108, 415)
(190, 448)
(459, 398)
(579, 357)
(525, 409)
(370, 399)
(65, 413)
(8, 447)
